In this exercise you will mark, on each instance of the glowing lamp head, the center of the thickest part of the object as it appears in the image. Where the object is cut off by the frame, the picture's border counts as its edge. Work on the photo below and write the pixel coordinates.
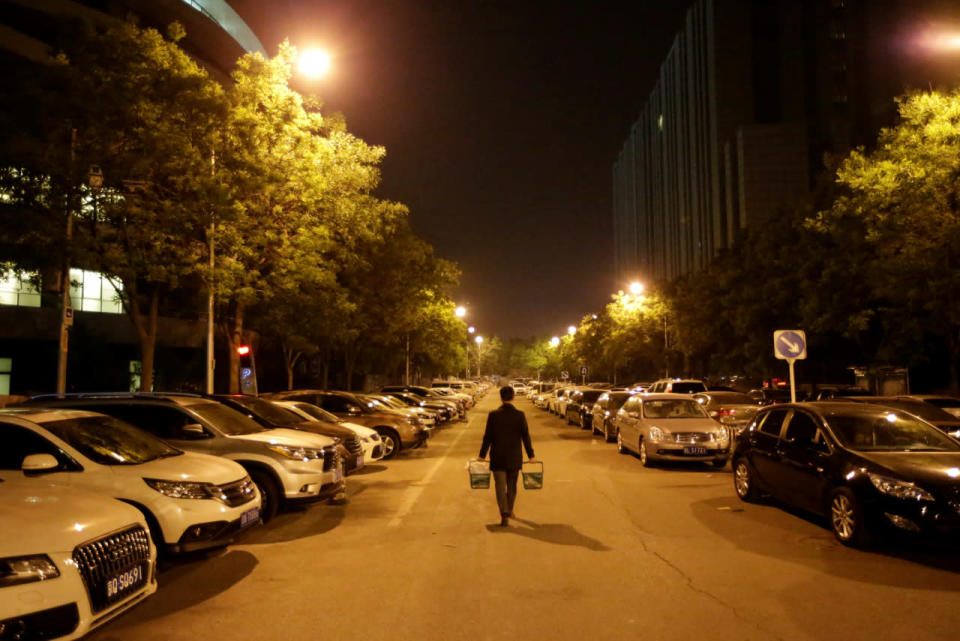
(471, 329)
(554, 341)
(479, 340)
(636, 288)
(460, 311)
(314, 63)
(243, 350)
(572, 330)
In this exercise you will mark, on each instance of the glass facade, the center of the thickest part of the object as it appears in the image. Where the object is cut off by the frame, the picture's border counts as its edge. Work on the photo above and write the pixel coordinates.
(93, 292)
(18, 289)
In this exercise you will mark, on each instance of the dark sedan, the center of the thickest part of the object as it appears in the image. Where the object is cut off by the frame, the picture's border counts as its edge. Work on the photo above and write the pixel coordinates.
(580, 408)
(866, 467)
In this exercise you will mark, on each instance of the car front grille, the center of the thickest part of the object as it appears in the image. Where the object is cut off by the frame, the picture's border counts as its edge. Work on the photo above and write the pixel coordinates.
(691, 437)
(104, 559)
(238, 492)
(354, 446)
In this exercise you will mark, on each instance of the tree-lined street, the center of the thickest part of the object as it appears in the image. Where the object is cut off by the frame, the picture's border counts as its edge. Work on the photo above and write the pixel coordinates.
(606, 550)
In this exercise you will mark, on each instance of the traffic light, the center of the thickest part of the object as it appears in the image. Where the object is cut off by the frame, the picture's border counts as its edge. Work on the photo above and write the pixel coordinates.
(248, 370)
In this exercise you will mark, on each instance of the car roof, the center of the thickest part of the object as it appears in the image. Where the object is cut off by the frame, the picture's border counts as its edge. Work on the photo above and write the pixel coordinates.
(665, 396)
(41, 415)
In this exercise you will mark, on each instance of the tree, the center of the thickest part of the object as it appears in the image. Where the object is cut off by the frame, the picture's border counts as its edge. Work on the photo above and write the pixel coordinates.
(906, 196)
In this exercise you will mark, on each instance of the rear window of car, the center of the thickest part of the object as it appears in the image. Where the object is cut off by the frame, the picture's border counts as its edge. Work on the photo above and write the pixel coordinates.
(688, 388)
(672, 409)
(591, 396)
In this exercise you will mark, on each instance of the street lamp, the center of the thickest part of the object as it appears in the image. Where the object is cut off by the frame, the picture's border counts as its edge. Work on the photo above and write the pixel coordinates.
(636, 288)
(554, 341)
(460, 311)
(572, 330)
(471, 329)
(314, 63)
(479, 340)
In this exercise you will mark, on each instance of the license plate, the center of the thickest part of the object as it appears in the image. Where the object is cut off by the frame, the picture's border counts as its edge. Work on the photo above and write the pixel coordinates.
(127, 581)
(250, 516)
(359, 460)
(338, 474)
(700, 451)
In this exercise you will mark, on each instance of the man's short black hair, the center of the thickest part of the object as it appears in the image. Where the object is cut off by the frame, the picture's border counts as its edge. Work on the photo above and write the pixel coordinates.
(506, 393)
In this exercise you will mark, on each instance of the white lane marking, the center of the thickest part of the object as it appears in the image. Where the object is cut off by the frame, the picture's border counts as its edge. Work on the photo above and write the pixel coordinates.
(414, 491)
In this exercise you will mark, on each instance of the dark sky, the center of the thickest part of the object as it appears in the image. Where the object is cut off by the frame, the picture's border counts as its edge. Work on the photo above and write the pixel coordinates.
(501, 120)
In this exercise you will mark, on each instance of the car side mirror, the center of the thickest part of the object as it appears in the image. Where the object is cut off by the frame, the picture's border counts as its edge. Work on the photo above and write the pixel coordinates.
(39, 463)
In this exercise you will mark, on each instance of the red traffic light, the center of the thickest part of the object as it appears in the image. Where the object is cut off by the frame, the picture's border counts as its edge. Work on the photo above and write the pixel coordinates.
(243, 350)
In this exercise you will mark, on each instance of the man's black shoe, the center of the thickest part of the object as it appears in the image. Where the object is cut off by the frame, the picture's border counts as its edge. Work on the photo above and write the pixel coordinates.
(504, 521)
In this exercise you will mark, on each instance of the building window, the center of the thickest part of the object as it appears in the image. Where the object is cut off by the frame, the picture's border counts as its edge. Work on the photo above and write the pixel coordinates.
(6, 371)
(93, 292)
(19, 289)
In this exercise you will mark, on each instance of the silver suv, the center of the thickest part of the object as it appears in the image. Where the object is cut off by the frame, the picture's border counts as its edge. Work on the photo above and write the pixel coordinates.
(286, 465)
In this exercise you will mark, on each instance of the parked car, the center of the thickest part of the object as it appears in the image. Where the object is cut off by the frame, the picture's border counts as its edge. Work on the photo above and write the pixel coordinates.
(773, 395)
(70, 560)
(603, 419)
(580, 408)
(287, 466)
(190, 501)
(385, 402)
(397, 432)
(446, 410)
(271, 416)
(670, 427)
(735, 410)
(948, 404)
(865, 467)
(563, 399)
(369, 439)
(827, 393)
(429, 394)
(677, 386)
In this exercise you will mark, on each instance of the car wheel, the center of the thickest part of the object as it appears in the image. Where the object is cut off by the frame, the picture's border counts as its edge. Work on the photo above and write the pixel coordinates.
(620, 446)
(644, 459)
(606, 432)
(743, 481)
(269, 494)
(847, 519)
(391, 443)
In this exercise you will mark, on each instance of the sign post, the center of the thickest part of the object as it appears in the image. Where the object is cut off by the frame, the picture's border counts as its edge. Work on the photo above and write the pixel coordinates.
(790, 345)
(583, 375)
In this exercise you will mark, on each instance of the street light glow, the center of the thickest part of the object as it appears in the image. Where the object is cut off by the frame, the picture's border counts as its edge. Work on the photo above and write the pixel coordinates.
(471, 329)
(572, 330)
(479, 339)
(554, 341)
(461, 311)
(636, 288)
(314, 63)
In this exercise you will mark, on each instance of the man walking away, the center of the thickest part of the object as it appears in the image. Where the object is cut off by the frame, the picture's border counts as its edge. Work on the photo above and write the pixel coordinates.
(506, 431)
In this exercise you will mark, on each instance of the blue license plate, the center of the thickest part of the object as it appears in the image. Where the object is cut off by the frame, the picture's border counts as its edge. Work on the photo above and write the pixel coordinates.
(249, 517)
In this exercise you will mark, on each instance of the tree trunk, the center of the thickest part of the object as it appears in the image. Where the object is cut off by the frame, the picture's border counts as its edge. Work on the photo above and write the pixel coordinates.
(234, 340)
(146, 329)
(953, 344)
(290, 358)
(350, 354)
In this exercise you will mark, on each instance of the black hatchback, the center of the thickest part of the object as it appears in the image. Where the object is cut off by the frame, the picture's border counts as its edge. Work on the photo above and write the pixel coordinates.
(866, 467)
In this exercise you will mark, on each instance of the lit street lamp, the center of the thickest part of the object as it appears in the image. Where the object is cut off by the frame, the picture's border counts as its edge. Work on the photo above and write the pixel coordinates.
(461, 311)
(636, 288)
(314, 63)
(572, 330)
(554, 341)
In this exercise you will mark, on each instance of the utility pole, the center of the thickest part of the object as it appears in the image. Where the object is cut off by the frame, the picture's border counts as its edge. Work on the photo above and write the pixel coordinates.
(66, 311)
(210, 285)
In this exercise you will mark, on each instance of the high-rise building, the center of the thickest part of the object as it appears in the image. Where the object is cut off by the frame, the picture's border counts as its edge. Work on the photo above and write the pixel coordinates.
(750, 97)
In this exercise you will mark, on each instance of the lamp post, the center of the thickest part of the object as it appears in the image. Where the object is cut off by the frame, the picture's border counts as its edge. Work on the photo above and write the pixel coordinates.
(479, 340)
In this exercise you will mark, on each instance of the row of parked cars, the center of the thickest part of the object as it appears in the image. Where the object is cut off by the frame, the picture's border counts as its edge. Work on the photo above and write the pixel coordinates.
(869, 465)
(93, 487)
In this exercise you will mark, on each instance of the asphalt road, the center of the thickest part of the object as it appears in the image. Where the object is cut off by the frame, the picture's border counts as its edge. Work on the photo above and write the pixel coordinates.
(607, 550)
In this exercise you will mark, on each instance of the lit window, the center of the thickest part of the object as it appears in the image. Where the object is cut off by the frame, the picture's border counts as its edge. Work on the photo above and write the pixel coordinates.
(93, 292)
(18, 289)
(660, 122)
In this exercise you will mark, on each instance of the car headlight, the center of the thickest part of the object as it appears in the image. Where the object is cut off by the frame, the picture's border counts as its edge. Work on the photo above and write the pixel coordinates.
(899, 489)
(183, 489)
(656, 434)
(15, 570)
(296, 453)
(721, 436)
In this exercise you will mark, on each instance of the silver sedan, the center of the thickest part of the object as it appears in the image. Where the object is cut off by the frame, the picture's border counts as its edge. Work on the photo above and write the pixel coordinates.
(670, 427)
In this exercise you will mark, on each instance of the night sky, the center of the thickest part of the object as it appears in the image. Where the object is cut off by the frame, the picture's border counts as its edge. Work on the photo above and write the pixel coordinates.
(501, 121)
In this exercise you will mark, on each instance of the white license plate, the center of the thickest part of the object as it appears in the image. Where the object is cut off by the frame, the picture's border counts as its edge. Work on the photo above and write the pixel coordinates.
(126, 581)
(250, 516)
(359, 460)
(701, 451)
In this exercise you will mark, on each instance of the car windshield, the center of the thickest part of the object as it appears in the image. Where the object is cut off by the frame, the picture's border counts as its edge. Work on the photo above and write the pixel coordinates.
(227, 420)
(591, 396)
(687, 388)
(318, 413)
(267, 411)
(390, 401)
(672, 409)
(617, 399)
(109, 441)
(923, 410)
(888, 431)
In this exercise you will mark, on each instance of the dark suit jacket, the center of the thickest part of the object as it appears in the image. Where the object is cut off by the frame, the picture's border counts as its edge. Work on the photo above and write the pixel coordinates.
(506, 430)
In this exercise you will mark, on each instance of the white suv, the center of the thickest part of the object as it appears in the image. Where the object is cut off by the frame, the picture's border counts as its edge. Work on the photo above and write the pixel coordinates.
(69, 560)
(190, 501)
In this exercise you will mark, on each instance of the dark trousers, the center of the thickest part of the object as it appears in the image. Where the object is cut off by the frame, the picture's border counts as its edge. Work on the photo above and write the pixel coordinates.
(505, 482)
